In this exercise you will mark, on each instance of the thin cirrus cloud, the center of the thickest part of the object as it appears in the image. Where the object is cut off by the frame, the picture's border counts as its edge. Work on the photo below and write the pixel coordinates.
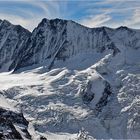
(91, 13)
(95, 21)
(113, 13)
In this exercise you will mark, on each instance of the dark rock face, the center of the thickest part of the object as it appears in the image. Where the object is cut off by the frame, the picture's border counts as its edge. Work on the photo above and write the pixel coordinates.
(12, 125)
(106, 93)
(89, 94)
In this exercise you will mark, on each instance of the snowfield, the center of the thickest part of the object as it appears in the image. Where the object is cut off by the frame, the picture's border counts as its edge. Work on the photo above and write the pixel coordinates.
(54, 104)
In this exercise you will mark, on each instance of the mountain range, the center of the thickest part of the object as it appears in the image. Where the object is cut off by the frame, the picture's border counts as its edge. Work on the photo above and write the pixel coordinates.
(68, 81)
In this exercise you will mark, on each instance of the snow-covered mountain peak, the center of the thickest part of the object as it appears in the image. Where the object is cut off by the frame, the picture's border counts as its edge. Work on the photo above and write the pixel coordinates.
(59, 39)
(12, 37)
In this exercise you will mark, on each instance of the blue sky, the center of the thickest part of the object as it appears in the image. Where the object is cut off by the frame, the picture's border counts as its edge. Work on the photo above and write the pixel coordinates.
(91, 13)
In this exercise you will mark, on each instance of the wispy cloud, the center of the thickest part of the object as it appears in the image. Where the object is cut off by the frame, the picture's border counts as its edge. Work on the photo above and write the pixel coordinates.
(94, 21)
(29, 13)
(112, 13)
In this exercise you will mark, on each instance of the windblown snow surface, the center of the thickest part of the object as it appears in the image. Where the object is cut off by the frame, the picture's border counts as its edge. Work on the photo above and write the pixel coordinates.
(54, 103)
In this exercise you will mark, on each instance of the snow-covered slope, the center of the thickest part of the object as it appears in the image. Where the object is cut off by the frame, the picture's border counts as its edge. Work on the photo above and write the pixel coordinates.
(74, 82)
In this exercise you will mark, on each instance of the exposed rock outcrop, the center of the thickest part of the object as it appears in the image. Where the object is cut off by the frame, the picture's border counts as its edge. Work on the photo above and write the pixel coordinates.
(13, 125)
